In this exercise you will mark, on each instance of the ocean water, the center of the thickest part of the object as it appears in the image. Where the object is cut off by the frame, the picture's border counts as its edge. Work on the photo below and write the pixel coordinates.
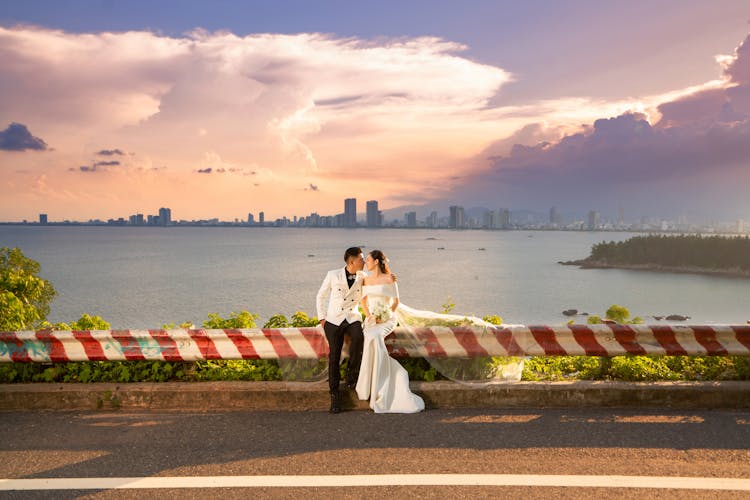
(142, 277)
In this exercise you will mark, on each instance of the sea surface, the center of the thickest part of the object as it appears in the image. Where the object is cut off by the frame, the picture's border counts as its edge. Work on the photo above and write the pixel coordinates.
(143, 277)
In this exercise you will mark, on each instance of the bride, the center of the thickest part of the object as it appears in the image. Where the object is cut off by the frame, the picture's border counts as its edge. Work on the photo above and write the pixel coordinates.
(382, 379)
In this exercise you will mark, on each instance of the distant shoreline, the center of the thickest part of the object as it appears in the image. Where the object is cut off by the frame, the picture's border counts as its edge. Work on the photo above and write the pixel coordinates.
(589, 264)
(273, 225)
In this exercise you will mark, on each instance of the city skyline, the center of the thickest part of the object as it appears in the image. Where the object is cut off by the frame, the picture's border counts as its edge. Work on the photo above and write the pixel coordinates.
(456, 218)
(419, 106)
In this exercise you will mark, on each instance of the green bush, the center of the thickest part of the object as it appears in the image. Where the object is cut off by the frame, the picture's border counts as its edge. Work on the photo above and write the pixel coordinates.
(419, 369)
(638, 368)
(24, 296)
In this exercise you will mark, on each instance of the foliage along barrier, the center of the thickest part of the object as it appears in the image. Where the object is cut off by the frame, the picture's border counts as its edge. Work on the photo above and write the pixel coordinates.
(24, 304)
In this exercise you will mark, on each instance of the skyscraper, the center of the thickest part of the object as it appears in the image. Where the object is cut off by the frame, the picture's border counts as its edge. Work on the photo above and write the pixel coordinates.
(593, 220)
(373, 214)
(165, 216)
(411, 219)
(457, 217)
(250, 219)
(432, 220)
(261, 218)
(42, 218)
(487, 217)
(350, 212)
(504, 218)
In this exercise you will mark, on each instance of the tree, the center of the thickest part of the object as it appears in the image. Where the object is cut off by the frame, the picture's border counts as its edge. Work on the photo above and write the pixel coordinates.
(24, 296)
(616, 313)
(243, 319)
(85, 322)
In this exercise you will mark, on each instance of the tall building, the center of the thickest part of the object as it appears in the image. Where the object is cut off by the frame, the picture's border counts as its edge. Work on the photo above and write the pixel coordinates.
(165, 216)
(432, 220)
(261, 218)
(457, 217)
(373, 214)
(42, 218)
(250, 219)
(593, 220)
(621, 216)
(487, 217)
(553, 215)
(504, 218)
(411, 219)
(350, 212)
(495, 219)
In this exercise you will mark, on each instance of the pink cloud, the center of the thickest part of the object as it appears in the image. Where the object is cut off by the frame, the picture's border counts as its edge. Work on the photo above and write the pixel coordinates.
(695, 159)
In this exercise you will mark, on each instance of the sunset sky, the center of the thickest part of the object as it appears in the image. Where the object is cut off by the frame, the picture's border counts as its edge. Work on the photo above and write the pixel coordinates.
(219, 108)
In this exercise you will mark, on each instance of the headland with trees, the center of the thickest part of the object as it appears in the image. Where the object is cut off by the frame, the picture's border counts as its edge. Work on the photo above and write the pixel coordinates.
(715, 255)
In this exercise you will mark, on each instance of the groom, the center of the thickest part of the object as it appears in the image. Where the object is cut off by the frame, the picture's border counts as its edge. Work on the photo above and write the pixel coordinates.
(342, 288)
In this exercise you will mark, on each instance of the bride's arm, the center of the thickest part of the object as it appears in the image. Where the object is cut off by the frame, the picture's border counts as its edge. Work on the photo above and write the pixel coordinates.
(364, 307)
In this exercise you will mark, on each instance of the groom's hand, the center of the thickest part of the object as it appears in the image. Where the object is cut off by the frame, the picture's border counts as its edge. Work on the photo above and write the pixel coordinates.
(323, 323)
(394, 277)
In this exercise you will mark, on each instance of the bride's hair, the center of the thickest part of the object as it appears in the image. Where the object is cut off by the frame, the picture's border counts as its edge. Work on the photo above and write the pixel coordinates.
(383, 261)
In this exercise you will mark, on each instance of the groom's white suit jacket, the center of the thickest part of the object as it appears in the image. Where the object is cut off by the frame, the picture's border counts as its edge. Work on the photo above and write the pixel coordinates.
(342, 300)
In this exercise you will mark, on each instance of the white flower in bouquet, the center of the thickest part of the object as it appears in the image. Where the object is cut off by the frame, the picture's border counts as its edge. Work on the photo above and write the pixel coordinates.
(381, 312)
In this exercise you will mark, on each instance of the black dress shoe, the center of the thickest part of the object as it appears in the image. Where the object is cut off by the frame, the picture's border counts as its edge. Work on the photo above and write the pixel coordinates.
(335, 403)
(351, 385)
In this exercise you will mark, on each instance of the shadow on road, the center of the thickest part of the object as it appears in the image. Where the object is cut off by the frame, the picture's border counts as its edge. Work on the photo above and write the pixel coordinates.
(151, 443)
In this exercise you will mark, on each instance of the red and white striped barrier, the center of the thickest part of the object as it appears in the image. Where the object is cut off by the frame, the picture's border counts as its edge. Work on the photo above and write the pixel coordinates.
(432, 342)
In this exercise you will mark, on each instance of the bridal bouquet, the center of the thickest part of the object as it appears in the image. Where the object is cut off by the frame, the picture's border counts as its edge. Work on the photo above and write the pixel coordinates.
(382, 312)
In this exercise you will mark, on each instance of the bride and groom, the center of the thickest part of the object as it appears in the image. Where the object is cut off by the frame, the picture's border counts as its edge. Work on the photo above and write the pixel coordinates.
(371, 371)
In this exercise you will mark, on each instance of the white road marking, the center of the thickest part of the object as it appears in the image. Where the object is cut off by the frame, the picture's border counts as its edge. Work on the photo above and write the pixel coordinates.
(578, 481)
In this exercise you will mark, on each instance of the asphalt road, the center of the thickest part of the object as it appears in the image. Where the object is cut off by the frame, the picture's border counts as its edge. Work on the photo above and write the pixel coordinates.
(707, 444)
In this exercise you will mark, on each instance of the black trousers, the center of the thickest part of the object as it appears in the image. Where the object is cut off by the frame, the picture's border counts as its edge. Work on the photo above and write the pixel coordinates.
(335, 335)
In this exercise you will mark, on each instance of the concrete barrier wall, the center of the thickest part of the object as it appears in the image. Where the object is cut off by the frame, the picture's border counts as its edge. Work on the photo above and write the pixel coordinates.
(433, 342)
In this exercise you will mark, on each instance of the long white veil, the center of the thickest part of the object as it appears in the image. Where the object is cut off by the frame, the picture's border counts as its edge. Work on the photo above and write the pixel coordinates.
(482, 370)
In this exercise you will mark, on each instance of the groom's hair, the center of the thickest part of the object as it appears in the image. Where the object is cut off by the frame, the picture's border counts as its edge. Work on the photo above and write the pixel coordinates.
(352, 252)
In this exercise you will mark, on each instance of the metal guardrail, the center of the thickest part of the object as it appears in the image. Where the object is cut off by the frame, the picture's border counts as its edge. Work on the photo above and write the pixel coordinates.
(431, 342)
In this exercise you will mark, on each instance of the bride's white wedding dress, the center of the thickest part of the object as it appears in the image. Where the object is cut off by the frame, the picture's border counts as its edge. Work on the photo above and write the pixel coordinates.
(382, 379)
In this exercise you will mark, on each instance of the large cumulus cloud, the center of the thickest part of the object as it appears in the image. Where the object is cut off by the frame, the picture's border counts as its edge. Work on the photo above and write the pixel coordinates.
(306, 108)
(691, 157)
